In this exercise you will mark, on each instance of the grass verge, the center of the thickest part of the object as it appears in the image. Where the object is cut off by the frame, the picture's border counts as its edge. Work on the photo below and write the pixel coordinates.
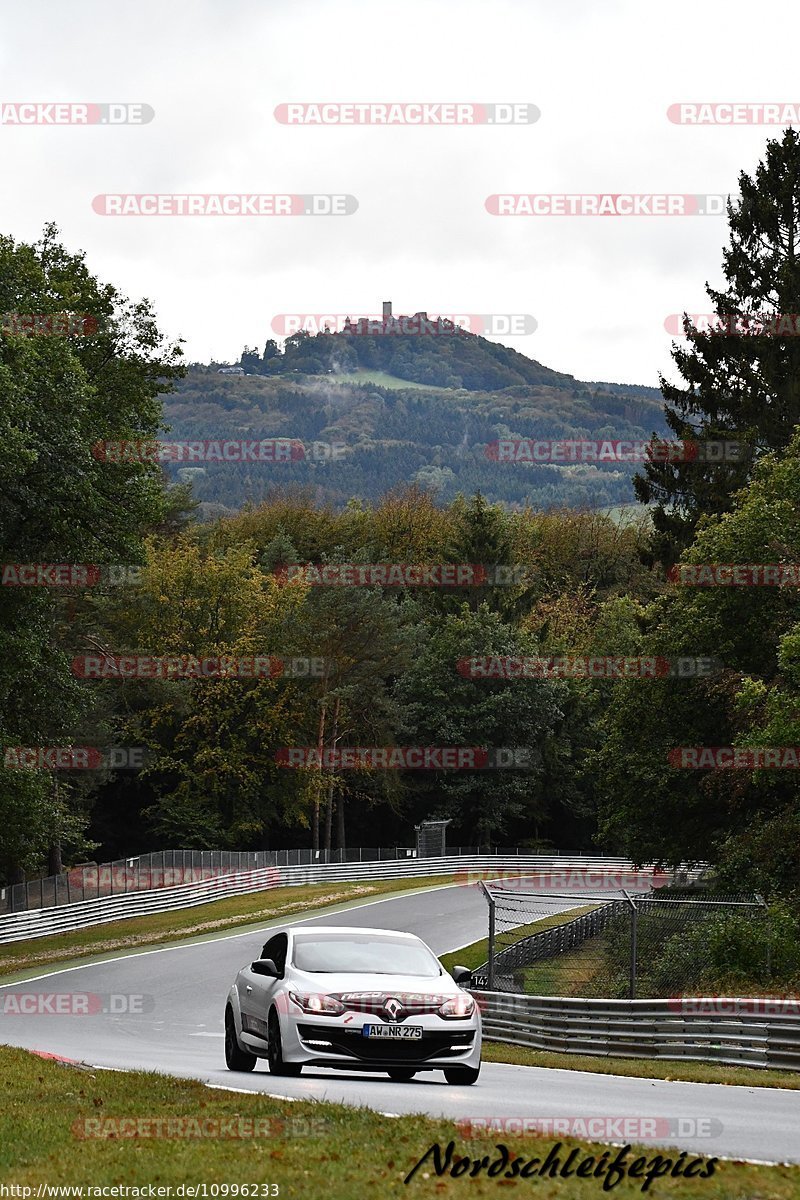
(579, 972)
(307, 1149)
(641, 1068)
(229, 913)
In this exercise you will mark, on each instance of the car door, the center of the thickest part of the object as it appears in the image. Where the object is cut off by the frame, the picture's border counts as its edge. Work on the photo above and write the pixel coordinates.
(256, 992)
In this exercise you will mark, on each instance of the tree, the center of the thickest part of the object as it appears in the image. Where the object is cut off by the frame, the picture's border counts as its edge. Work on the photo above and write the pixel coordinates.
(482, 539)
(62, 501)
(365, 641)
(214, 777)
(446, 707)
(744, 820)
(743, 383)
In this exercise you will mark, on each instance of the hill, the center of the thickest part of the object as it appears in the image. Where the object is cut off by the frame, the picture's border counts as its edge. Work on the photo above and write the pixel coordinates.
(405, 400)
(420, 349)
(383, 436)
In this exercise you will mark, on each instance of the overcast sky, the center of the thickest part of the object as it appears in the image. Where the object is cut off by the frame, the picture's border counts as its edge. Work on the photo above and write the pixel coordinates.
(603, 76)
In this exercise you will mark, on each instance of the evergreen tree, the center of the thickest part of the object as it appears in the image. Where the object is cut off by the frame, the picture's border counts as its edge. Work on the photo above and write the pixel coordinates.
(742, 380)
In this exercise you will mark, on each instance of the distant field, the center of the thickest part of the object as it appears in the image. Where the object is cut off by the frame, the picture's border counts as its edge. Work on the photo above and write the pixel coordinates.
(381, 379)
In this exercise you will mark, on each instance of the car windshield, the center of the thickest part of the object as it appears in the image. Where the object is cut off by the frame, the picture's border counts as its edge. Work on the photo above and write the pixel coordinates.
(363, 953)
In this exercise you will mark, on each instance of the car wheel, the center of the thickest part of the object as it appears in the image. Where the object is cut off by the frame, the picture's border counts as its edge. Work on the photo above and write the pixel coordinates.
(401, 1074)
(235, 1058)
(461, 1074)
(275, 1050)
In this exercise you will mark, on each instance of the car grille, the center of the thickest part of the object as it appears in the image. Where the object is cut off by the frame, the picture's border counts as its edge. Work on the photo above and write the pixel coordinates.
(408, 1005)
(354, 1045)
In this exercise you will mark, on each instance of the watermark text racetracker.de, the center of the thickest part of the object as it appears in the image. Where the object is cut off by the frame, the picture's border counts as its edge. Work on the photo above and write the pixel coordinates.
(193, 1128)
(567, 879)
(67, 575)
(617, 1128)
(735, 758)
(74, 1004)
(21, 324)
(736, 1006)
(609, 450)
(410, 112)
(188, 666)
(417, 325)
(735, 574)
(222, 450)
(75, 758)
(439, 575)
(734, 325)
(605, 204)
(32, 112)
(407, 758)
(224, 204)
(105, 879)
(734, 112)
(494, 666)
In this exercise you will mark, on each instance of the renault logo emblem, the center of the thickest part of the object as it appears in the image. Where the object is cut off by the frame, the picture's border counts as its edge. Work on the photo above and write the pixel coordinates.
(393, 1008)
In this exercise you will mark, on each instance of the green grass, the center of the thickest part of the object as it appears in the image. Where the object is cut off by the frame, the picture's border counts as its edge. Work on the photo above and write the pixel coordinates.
(204, 920)
(571, 974)
(641, 1068)
(381, 378)
(308, 1149)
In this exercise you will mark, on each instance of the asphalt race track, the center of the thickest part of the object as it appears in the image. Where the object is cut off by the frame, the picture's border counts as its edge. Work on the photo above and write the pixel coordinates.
(180, 1032)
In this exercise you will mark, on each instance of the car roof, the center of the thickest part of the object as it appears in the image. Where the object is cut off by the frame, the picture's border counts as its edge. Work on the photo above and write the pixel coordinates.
(388, 933)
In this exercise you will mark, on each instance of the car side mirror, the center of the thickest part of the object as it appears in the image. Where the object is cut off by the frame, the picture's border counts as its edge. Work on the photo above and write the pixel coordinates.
(461, 975)
(264, 966)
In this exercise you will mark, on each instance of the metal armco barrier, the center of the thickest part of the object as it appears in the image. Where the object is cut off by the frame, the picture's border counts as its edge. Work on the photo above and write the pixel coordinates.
(169, 868)
(745, 1032)
(62, 919)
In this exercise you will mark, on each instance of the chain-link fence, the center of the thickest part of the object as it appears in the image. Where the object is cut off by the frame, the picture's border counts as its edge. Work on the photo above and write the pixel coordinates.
(170, 868)
(602, 944)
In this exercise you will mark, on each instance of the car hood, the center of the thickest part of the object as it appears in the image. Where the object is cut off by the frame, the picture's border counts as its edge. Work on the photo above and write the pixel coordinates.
(345, 982)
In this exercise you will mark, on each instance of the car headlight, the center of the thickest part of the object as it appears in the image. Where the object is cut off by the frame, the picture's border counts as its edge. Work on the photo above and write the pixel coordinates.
(318, 1005)
(457, 1008)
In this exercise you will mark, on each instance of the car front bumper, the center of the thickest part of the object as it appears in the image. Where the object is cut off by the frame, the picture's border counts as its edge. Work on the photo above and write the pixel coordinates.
(319, 1042)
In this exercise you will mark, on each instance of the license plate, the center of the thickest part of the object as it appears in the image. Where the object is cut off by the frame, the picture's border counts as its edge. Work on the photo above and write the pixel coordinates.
(402, 1033)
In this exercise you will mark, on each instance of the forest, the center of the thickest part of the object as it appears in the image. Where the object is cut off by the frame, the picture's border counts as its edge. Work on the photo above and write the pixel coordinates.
(576, 759)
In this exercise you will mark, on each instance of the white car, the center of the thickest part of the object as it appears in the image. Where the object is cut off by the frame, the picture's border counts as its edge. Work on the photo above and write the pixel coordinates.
(356, 999)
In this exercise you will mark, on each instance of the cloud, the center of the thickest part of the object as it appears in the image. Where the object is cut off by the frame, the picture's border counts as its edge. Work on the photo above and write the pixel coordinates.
(603, 77)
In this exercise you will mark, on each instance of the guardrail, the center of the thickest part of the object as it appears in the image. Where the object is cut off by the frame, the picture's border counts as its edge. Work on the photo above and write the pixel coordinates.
(170, 868)
(45, 921)
(737, 1031)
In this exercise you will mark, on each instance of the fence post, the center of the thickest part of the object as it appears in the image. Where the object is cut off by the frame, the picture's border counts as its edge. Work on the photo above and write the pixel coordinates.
(491, 903)
(634, 938)
(765, 906)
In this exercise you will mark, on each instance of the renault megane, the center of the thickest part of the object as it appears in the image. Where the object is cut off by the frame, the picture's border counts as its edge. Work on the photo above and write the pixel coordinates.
(356, 999)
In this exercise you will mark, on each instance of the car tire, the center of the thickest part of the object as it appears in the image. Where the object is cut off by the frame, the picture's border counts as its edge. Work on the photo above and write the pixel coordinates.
(401, 1074)
(236, 1059)
(462, 1075)
(277, 1066)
